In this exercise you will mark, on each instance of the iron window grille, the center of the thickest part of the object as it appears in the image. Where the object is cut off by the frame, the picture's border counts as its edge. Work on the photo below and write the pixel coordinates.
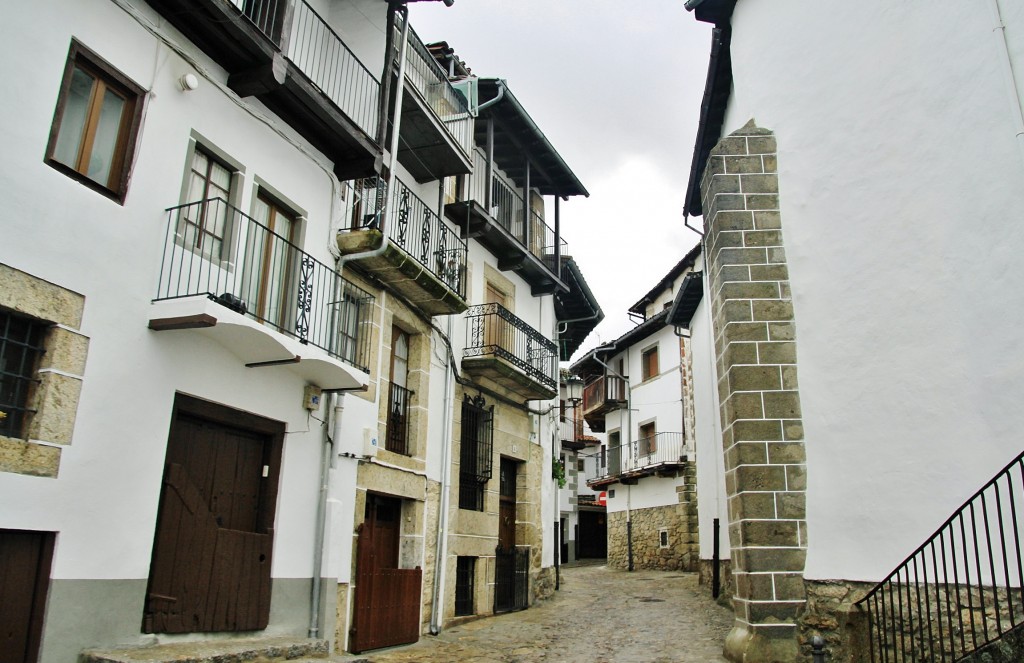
(465, 572)
(398, 420)
(21, 346)
(475, 455)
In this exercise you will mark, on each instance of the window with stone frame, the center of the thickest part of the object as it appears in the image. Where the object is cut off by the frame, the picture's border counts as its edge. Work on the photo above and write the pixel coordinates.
(205, 224)
(21, 346)
(397, 437)
(475, 453)
(96, 123)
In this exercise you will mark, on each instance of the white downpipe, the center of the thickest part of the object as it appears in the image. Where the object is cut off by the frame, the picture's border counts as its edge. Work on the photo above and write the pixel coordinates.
(441, 560)
(1006, 64)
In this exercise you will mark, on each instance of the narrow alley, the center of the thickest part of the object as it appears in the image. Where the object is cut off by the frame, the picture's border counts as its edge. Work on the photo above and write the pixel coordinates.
(599, 615)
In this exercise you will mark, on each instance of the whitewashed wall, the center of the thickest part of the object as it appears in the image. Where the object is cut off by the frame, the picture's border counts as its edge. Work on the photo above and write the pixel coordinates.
(901, 189)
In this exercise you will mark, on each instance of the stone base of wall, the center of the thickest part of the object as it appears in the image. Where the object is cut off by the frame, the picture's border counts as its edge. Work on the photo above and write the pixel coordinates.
(648, 554)
(831, 614)
(706, 574)
(543, 585)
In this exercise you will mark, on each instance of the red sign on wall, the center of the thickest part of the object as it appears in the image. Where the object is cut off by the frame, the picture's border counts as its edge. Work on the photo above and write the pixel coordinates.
(602, 498)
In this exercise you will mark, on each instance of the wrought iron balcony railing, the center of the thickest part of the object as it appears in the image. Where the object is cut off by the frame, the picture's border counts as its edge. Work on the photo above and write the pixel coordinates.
(431, 81)
(323, 57)
(267, 15)
(647, 452)
(962, 588)
(211, 248)
(495, 331)
(413, 227)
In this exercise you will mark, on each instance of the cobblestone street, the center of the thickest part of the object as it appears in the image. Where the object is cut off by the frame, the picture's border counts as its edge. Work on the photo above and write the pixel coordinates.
(598, 616)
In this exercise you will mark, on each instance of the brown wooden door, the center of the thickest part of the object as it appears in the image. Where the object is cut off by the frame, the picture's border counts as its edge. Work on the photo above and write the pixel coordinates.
(498, 331)
(214, 536)
(387, 601)
(507, 504)
(24, 578)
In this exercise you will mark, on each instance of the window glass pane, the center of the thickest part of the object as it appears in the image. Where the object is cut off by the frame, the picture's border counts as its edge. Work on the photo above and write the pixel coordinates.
(72, 124)
(107, 130)
(220, 181)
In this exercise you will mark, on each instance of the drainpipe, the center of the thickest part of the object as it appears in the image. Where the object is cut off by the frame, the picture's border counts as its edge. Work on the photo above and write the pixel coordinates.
(325, 460)
(498, 97)
(1006, 64)
(441, 558)
(628, 445)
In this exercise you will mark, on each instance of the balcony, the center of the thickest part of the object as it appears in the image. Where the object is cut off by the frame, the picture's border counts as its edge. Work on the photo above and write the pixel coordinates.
(663, 454)
(571, 431)
(603, 395)
(283, 53)
(506, 351)
(232, 279)
(496, 215)
(436, 130)
(423, 259)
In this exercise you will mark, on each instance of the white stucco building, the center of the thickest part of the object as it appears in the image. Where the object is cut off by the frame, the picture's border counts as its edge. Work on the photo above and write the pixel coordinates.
(214, 398)
(858, 168)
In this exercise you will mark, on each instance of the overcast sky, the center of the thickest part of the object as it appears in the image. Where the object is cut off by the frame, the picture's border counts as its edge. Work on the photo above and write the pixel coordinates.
(616, 87)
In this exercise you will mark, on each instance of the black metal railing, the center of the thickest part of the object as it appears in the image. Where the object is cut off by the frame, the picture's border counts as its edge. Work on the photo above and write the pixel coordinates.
(646, 452)
(266, 15)
(397, 439)
(212, 248)
(323, 57)
(571, 429)
(496, 331)
(511, 578)
(413, 227)
(961, 589)
(607, 389)
(431, 81)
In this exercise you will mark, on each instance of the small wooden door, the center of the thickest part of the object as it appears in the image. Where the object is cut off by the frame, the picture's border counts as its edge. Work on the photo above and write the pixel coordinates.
(25, 559)
(387, 601)
(507, 504)
(214, 535)
(271, 255)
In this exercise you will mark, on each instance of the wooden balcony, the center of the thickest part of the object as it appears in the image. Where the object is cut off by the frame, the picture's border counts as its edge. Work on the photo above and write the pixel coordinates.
(603, 395)
(436, 128)
(284, 54)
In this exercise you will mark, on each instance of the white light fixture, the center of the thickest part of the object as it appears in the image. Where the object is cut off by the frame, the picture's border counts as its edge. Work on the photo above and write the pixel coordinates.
(188, 82)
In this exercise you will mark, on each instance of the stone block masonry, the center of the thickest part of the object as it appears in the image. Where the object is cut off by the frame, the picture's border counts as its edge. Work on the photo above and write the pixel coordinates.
(762, 430)
(648, 554)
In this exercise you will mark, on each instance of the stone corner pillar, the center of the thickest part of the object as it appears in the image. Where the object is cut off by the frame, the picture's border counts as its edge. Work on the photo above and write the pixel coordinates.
(762, 429)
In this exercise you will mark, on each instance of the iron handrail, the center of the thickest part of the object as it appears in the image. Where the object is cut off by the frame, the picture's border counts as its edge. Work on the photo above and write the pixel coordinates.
(397, 438)
(431, 82)
(212, 248)
(971, 563)
(647, 452)
(324, 58)
(494, 330)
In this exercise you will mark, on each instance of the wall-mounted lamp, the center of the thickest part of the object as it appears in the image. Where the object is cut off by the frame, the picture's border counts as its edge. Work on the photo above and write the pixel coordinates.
(188, 82)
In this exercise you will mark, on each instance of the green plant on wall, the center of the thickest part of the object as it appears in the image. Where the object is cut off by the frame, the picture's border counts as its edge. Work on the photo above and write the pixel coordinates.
(558, 471)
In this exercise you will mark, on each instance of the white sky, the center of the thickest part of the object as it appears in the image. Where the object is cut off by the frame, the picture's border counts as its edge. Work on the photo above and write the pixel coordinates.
(616, 87)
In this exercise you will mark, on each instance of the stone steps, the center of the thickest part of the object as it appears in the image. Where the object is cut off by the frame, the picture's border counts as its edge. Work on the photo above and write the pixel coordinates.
(255, 650)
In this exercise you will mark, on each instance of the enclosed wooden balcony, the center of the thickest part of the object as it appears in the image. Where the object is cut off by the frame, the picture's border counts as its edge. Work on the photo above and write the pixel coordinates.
(286, 55)
(601, 396)
(505, 351)
(422, 259)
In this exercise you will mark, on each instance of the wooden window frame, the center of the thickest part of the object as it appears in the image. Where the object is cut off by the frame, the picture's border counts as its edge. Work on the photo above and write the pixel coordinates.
(116, 186)
(648, 372)
(647, 444)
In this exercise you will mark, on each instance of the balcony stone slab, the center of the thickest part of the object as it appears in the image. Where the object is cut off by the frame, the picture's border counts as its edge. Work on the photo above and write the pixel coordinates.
(256, 345)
